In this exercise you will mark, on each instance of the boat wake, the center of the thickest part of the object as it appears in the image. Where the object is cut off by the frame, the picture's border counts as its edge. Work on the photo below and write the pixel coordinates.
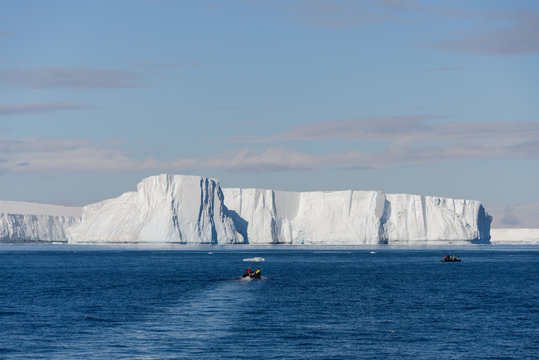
(248, 278)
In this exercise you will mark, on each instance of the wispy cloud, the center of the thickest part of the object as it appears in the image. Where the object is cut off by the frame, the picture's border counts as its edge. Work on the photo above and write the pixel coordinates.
(519, 38)
(415, 128)
(414, 139)
(36, 108)
(249, 124)
(279, 159)
(34, 155)
(494, 32)
(227, 107)
(5, 34)
(515, 215)
(410, 140)
(373, 128)
(170, 66)
(347, 13)
(340, 13)
(509, 217)
(444, 69)
(400, 5)
(71, 78)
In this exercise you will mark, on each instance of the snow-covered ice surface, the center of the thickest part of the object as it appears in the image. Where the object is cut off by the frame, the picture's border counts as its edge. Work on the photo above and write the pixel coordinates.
(26, 221)
(30, 208)
(165, 208)
(355, 218)
(517, 236)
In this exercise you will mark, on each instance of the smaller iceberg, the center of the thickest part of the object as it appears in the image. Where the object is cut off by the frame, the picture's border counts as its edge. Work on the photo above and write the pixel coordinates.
(255, 259)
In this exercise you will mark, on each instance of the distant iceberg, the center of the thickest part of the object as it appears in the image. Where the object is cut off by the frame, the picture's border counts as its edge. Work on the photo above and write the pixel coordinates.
(521, 236)
(255, 259)
(25, 221)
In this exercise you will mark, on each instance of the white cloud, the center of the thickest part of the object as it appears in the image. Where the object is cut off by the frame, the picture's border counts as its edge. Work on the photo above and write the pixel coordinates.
(519, 38)
(47, 156)
(278, 159)
(515, 215)
(34, 108)
(494, 32)
(411, 138)
(333, 13)
(70, 77)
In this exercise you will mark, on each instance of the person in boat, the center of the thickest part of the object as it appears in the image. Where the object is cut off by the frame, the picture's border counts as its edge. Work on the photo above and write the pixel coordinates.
(257, 273)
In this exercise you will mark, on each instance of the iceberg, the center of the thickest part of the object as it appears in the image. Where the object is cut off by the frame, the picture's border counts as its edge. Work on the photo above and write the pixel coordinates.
(196, 210)
(165, 208)
(26, 221)
(516, 236)
(355, 218)
(255, 259)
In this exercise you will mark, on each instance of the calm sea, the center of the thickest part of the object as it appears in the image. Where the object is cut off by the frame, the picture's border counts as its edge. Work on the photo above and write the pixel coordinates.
(68, 302)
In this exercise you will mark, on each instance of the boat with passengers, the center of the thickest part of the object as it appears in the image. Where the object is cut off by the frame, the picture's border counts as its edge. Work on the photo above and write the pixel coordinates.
(450, 258)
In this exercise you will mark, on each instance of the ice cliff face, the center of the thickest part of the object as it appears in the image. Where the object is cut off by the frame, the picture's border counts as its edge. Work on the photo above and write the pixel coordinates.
(165, 208)
(22, 221)
(431, 219)
(355, 217)
(272, 217)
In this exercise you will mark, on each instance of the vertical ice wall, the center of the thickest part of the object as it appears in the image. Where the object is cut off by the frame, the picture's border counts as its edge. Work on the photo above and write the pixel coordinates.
(23, 221)
(429, 219)
(17, 228)
(355, 217)
(344, 217)
(165, 208)
(254, 214)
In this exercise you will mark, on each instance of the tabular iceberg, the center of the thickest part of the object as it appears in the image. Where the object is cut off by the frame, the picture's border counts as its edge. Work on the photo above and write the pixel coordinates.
(195, 210)
(522, 236)
(355, 217)
(165, 208)
(23, 221)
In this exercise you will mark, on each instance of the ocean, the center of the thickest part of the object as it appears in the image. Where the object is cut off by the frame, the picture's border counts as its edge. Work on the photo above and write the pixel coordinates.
(84, 302)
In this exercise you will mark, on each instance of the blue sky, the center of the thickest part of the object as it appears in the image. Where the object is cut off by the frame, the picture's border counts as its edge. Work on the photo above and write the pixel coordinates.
(437, 98)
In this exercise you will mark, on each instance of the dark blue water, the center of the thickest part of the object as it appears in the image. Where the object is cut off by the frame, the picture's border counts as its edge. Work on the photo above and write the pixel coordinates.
(64, 302)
